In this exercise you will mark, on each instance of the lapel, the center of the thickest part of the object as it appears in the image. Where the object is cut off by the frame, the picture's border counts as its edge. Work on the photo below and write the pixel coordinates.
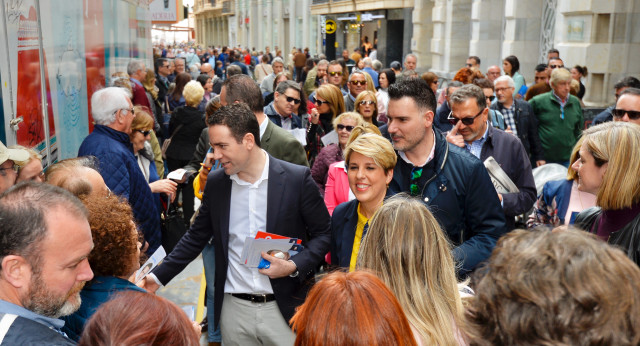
(350, 223)
(275, 191)
(224, 207)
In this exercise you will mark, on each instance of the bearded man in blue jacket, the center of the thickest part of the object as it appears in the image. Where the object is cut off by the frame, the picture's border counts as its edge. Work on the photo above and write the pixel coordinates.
(453, 183)
(109, 142)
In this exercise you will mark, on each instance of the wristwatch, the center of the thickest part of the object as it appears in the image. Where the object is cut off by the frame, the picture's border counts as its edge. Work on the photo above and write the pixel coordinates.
(295, 273)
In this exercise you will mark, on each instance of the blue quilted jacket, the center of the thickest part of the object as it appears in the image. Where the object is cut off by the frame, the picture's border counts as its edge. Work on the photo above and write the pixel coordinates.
(120, 171)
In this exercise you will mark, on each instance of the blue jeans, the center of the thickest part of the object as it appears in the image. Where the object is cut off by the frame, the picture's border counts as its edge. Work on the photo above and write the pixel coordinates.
(209, 261)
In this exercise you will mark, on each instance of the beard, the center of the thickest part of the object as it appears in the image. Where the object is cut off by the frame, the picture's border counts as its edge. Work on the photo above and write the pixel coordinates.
(47, 303)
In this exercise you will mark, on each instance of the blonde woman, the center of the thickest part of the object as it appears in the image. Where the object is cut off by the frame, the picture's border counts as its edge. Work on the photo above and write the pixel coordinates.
(608, 167)
(30, 169)
(342, 125)
(329, 104)
(367, 105)
(409, 251)
(370, 160)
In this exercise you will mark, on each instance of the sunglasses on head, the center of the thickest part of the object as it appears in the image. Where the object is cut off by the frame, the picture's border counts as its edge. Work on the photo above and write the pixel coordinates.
(467, 121)
(335, 73)
(294, 100)
(367, 102)
(320, 103)
(341, 127)
(619, 113)
(144, 133)
(358, 82)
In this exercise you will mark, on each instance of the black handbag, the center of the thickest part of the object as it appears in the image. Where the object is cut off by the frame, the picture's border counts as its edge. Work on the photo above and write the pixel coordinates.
(173, 227)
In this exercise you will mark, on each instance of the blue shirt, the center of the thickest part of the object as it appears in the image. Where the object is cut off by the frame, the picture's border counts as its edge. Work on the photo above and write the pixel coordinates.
(53, 323)
(476, 146)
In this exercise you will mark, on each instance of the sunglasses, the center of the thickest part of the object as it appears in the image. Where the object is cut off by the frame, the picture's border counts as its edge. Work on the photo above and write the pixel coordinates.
(320, 103)
(467, 121)
(294, 100)
(367, 102)
(335, 74)
(358, 82)
(341, 127)
(619, 113)
(491, 98)
(469, 65)
(144, 133)
(556, 66)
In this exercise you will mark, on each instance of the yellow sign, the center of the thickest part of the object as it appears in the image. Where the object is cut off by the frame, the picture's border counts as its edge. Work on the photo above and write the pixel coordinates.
(330, 26)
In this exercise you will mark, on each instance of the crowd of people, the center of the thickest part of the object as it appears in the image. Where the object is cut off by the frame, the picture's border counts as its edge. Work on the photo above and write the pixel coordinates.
(421, 206)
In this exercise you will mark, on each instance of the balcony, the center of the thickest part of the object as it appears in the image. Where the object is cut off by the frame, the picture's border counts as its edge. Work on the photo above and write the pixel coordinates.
(228, 7)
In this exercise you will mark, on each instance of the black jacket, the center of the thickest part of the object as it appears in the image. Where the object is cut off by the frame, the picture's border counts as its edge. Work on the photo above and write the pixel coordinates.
(627, 238)
(527, 127)
(510, 154)
(459, 193)
(183, 143)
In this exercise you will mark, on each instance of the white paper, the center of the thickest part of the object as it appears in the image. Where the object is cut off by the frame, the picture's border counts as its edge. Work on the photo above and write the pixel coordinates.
(253, 248)
(151, 263)
(300, 135)
(177, 175)
(330, 138)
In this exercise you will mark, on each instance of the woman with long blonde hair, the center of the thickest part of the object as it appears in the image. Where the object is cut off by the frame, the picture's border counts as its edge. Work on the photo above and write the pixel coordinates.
(406, 247)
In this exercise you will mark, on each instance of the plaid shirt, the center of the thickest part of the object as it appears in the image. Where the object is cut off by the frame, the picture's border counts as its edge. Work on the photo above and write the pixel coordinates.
(510, 117)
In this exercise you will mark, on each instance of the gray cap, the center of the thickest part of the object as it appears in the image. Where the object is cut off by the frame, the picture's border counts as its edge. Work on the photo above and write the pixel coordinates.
(396, 65)
(12, 154)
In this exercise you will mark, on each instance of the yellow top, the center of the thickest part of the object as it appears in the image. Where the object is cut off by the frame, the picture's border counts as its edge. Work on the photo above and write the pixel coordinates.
(362, 221)
(196, 185)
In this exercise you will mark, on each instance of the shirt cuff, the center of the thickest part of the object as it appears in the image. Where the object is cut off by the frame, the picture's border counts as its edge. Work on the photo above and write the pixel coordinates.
(153, 277)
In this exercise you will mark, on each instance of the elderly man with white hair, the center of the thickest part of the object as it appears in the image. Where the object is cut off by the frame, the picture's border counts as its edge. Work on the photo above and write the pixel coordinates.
(137, 72)
(109, 142)
(560, 120)
(368, 68)
(266, 87)
(520, 118)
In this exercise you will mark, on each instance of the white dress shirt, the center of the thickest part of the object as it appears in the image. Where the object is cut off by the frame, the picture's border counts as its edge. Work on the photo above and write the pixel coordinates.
(247, 216)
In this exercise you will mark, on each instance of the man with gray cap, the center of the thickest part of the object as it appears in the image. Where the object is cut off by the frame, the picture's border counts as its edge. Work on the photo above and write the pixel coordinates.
(8, 167)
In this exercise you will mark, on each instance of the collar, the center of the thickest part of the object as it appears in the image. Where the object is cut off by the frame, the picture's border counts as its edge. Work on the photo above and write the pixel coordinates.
(135, 81)
(264, 176)
(351, 97)
(263, 126)
(14, 309)
(559, 99)
(432, 154)
(484, 136)
(115, 134)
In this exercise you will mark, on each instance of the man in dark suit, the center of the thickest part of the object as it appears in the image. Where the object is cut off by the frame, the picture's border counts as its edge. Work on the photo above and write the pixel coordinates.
(163, 70)
(253, 192)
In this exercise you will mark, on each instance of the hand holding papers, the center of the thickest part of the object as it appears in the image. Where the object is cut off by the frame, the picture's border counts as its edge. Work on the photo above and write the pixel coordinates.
(151, 263)
(265, 249)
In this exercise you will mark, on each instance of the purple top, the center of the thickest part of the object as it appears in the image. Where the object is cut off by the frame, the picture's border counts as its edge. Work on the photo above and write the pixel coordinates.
(613, 220)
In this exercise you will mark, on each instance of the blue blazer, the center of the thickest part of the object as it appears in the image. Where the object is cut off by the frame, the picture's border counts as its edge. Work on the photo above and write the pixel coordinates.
(343, 229)
(295, 208)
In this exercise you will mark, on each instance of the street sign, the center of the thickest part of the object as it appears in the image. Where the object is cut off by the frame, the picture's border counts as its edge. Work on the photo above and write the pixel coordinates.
(331, 26)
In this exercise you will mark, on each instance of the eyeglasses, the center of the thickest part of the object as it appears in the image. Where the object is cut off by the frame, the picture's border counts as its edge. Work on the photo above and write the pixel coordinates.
(469, 65)
(619, 113)
(466, 121)
(367, 102)
(491, 98)
(358, 82)
(130, 110)
(416, 174)
(333, 74)
(294, 100)
(15, 168)
(341, 127)
(320, 103)
(503, 89)
(556, 66)
(166, 66)
(144, 133)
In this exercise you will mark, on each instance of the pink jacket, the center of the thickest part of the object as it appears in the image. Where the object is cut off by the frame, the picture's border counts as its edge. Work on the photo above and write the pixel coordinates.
(337, 190)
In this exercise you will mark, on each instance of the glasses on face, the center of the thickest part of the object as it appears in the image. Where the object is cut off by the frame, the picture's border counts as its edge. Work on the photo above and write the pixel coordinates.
(469, 65)
(165, 66)
(367, 102)
(320, 102)
(333, 74)
(556, 66)
(341, 127)
(358, 82)
(144, 133)
(619, 113)
(416, 174)
(130, 110)
(490, 98)
(467, 121)
(502, 89)
(294, 100)
(15, 168)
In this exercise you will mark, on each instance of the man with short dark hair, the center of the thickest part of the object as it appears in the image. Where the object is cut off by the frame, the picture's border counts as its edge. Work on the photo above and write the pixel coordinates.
(45, 240)
(252, 192)
(453, 183)
(553, 53)
(628, 106)
(473, 62)
(541, 81)
(110, 144)
(8, 167)
(163, 70)
(357, 84)
(347, 59)
(472, 131)
(619, 87)
(520, 118)
(440, 121)
(280, 111)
